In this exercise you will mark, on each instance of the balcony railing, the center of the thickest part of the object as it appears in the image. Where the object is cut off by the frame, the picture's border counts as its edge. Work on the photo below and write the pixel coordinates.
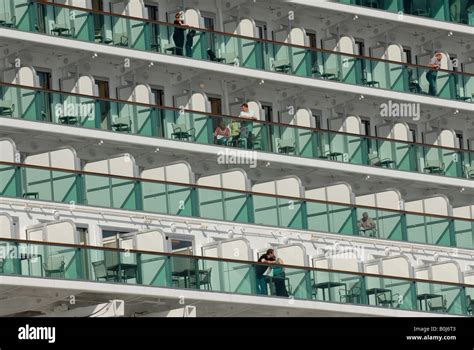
(455, 11)
(165, 270)
(178, 199)
(183, 125)
(153, 36)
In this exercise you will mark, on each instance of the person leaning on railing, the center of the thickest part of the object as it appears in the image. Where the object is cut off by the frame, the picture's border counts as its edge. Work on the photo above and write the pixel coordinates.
(260, 270)
(279, 278)
(432, 74)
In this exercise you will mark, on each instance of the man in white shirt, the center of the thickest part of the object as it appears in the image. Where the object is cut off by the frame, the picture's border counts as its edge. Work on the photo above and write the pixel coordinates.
(247, 127)
(432, 75)
(245, 112)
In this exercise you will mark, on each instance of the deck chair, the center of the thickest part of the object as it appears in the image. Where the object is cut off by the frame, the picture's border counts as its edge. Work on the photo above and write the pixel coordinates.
(469, 170)
(180, 132)
(434, 167)
(286, 146)
(101, 272)
(54, 267)
(120, 39)
(6, 20)
(122, 124)
(6, 108)
(437, 304)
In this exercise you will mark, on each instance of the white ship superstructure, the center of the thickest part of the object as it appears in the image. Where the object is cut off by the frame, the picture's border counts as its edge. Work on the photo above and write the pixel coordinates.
(152, 151)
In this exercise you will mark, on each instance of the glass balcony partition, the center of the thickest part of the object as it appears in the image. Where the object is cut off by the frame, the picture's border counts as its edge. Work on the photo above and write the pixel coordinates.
(199, 127)
(140, 34)
(165, 270)
(107, 191)
(455, 11)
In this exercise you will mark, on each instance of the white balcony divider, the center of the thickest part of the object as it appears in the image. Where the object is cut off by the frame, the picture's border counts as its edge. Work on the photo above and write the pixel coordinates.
(65, 158)
(176, 172)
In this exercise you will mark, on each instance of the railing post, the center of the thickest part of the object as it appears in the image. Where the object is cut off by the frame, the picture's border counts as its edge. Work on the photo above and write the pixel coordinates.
(304, 214)
(195, 206)
(452, 232)
(80, 189)
(403, 223)
(138, 195)
(463, 296)
(250, 208)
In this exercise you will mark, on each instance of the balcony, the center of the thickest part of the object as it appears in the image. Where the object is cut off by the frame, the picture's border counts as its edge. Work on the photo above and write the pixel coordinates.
(455, 11)
(178, 199)
(230, 49)
(197, 127)
(166, 270)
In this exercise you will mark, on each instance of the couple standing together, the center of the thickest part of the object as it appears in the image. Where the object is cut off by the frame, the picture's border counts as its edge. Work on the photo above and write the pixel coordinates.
(179, 36)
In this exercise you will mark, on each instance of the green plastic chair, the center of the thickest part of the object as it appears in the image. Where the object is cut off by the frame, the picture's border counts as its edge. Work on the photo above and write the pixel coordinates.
(122, 124)
(6, 108)
(469, 171)
(434, 167)
(6, 20)
(286, 146)
(180, 132)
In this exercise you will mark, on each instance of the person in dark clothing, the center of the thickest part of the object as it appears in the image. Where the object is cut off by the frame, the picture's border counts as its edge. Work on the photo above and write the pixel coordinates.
(279, 279)
(268, 258)
(178, 35)
(190, 42)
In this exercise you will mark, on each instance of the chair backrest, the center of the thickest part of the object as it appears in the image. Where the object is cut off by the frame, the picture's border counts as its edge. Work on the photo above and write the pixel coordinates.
(279, 63)
(229, 57)
(8, 18)
(331, 71)
(286, 143)
(373, 3)
(99, 268)
(6, 103)
(374, 158)
(178, 127)
(122, 120)
(419, 4)
(111, 258)
(354, 289)
(437, 303)
(55, 262)
(62, 22)
(212, 55)
(121, 38)
(205, 276)
(434, 163)
(469, 171)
